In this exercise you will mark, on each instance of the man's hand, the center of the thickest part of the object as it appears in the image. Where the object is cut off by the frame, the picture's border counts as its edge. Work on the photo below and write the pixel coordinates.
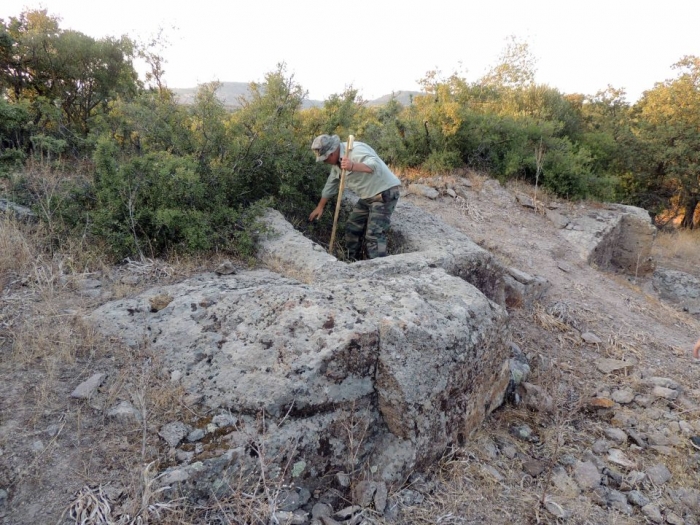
(349, 165)
(316, 214)
(318, 211)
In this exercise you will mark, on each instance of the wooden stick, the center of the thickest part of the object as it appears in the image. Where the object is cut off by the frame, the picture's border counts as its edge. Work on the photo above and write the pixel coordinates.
(341, 188)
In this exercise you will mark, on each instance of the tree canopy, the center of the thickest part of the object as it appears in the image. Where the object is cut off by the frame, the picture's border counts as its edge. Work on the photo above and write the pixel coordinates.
(64, 75)
(668, 118)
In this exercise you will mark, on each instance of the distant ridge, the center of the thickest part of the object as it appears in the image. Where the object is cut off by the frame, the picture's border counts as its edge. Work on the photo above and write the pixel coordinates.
(230, 94)
(405, 98)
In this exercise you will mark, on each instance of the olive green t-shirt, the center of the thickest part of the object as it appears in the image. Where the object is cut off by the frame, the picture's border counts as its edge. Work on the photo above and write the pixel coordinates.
(365, 185)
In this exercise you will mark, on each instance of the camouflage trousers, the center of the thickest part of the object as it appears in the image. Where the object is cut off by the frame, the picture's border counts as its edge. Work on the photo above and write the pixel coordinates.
(370, 220)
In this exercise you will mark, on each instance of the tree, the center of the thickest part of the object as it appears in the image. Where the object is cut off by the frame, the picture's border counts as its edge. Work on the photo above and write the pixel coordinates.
(65, 69)
(516, 67)
(91, 73)
(339, 112)
(607, 130)
(25, 45)
(669, 125)
(151, 52)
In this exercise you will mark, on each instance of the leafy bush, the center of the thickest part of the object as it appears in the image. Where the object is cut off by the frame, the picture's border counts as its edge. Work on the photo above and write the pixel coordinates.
(197, 180)
(158, 202)
(441, 161)
(14, 134)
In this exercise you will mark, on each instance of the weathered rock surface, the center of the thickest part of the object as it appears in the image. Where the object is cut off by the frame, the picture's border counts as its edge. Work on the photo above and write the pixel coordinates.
(383, 362)
(15, 210)
(426, 242)
(614, 237)
(523, 289)
(424, 190)
(85, 389)
(679, 288)
(559, 220)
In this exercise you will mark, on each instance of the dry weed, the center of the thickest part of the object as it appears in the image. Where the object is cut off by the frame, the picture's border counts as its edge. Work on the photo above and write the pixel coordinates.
(678, 245)
(408, 174)
(96, 505)
(660, 310)
(549, 322)
(539, 194)
(79, 256)
(46, 185)
(356, 426)
(467, 209)
(47, 336)
(17, 248)
(619, 347)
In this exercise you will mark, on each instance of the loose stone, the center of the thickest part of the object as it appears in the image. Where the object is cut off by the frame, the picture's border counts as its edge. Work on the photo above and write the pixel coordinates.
(664, 393)
(659, 474)
(601, 446)
(618, 501)
(652, 512)
(586, 475)
(637, 498)
(85, 389)
(591, 338)
(623, 396)
(173, 433)
(534, 467)
(615, 434)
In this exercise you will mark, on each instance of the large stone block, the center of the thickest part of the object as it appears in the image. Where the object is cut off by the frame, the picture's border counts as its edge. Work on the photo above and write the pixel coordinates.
(614, 237)
(426, 242)
(331, 366)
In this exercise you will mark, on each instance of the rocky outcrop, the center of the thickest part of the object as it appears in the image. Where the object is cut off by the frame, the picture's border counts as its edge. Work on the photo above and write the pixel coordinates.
(678, 288)
(17, 211)
(426, 242)
(523, 289)
(329, 366)
(614, 237)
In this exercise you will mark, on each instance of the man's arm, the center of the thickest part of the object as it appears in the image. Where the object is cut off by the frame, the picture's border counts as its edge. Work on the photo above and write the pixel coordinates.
(329, 190)
(349, 165)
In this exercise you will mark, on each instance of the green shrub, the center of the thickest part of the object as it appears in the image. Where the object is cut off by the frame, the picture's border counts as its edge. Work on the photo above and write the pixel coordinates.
(566, 170)
(158, 202)
(441, 161)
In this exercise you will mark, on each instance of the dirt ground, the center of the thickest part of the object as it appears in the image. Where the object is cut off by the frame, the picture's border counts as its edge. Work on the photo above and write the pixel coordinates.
(52, 446)
(632, 324)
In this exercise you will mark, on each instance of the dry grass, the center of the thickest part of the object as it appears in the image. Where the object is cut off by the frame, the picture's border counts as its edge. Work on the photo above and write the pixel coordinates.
(95, 504)
(47, 350)
(542, 195)
(411, 175)
(476, 179)
(481, 484)
(17, 247)
(468, 210)
(550, 321)
(408, 174)
(52, 354)
(677, 245)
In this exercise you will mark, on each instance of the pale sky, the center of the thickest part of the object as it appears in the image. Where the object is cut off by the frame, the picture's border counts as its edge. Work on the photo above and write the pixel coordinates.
(380, 46)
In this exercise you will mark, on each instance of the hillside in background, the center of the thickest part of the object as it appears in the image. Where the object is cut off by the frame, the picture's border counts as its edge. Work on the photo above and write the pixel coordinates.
(230, 94)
